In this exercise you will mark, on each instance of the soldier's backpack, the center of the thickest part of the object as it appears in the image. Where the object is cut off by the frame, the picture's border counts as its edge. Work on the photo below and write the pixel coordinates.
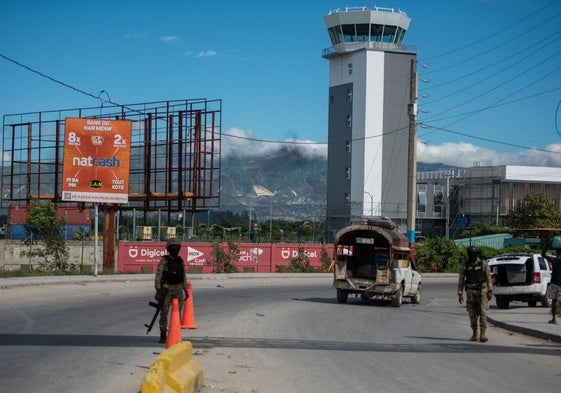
(175, 272)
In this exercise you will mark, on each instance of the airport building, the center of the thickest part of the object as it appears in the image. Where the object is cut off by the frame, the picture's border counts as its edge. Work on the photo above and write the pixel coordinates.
(452, 200)
(370, 90)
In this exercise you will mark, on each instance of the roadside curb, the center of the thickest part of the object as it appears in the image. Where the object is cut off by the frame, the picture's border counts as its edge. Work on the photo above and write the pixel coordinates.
(524, 330)
(174, 370)
(6, 283)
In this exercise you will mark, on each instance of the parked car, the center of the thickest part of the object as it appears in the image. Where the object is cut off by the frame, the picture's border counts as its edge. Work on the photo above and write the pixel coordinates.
(372, 259)
(520, 277)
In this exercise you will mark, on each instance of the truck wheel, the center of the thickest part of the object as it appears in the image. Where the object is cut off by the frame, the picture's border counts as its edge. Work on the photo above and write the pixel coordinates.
(416, 299)
(342, 295)
(502, 302)
(397, 299)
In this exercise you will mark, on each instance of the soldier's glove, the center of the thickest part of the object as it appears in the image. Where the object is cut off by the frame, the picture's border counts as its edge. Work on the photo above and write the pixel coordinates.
(489, 295)
(159, 295)
(186, 295)
(461, 298)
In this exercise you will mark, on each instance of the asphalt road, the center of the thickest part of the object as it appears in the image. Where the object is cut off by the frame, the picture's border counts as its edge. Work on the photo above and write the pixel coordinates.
(263, 336)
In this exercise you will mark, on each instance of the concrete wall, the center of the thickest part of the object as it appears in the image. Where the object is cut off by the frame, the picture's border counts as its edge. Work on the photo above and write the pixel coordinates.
(11, 257)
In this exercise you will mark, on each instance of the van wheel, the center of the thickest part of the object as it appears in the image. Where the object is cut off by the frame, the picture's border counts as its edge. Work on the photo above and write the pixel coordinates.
(342, 295)
(416, 299)
(397, 299)
(502, 302)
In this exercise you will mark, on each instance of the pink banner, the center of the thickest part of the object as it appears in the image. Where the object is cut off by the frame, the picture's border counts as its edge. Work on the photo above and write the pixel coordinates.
(199, 258)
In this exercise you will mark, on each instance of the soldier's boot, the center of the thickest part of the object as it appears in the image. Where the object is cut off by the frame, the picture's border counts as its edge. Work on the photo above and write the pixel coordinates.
(473, 336)
(482, 337)
(163, 337)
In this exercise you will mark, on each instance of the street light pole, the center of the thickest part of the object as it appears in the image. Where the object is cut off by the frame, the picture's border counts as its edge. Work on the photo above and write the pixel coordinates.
(271, 222)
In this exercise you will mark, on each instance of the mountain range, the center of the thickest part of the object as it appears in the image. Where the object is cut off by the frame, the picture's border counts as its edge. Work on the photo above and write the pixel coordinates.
(288, 184)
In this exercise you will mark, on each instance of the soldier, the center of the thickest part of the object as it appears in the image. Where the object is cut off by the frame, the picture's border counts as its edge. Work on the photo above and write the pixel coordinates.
(170, 283)
(475, 276)
(554, 288)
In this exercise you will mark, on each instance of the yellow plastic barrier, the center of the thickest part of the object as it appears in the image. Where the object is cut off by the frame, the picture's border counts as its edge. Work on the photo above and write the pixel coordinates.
(174, 370)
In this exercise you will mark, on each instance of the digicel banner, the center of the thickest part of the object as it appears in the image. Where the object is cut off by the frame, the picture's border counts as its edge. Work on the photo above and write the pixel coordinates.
(263, 258)
(96, 160)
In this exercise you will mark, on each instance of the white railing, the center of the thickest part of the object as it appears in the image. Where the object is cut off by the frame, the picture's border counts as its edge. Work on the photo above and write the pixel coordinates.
(362, 9)
(354, 46)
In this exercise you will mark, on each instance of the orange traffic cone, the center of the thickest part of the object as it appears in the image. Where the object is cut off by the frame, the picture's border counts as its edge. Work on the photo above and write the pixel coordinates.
(174, 334)
(188, 320)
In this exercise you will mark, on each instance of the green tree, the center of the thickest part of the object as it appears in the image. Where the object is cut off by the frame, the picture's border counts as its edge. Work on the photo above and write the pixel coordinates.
(534, 211)
(43, 224)
(224, 260)
(439, 255)
(325, 259)
(482, 229)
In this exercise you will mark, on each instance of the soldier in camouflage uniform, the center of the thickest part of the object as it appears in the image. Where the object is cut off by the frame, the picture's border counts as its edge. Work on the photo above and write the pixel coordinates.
(170, 283)
(475, 277)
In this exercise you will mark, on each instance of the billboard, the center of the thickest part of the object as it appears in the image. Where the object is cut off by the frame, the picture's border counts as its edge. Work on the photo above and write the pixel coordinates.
(96, 160)
(135, 256)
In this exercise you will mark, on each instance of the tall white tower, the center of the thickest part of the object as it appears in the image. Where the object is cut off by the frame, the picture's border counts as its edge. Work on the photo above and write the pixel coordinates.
(370, 74)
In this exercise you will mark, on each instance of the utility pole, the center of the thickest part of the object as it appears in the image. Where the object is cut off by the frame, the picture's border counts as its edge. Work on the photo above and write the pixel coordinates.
(412, 163)
(448, 205)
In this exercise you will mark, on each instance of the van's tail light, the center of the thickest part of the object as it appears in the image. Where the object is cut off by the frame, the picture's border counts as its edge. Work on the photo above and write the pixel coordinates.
(494, 278)
(536, 278)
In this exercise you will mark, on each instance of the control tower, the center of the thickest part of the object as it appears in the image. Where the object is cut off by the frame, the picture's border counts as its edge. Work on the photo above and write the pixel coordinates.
(371, 88)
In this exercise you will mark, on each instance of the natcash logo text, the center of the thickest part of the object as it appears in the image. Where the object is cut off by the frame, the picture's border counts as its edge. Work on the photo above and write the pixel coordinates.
(96, 161)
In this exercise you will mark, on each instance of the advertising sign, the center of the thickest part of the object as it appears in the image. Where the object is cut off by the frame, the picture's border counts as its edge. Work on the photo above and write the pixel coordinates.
(134, 256)
(96, 160)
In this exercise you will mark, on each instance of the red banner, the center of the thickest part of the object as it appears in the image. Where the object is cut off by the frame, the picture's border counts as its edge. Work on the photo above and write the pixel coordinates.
(199, 258)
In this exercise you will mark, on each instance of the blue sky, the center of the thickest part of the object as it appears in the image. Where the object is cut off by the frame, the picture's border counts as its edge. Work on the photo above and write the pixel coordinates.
(489, 70)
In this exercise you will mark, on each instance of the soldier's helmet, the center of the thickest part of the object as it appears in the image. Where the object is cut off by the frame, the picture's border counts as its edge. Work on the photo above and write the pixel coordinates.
(173, 241)
(472, 251)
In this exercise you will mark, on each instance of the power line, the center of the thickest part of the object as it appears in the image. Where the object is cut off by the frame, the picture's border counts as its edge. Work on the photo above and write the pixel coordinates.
(556, 113)
(64, 84)
(491, 140)
(502, 99)
(497, 104)
(552, 39)
(51, 78)
(523, 19)
(501, 84)
(508, 41)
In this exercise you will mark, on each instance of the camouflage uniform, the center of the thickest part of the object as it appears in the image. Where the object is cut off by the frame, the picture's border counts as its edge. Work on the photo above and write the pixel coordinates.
(177, 291)
(475, 277)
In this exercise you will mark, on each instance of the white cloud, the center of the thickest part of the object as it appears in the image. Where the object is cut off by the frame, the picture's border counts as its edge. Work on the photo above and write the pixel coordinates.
(208, 53)
(466, 154)
(244, 143)
(169, 38)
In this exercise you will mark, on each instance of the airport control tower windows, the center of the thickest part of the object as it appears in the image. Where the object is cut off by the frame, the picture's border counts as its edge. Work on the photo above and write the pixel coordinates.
(349, 33)
(376, 32)
(362, 32)
(335, 35)
(389, 33)
(399, 36)
(365, 33)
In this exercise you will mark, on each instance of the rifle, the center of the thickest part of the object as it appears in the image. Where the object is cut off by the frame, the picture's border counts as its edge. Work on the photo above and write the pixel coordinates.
(158, 307)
